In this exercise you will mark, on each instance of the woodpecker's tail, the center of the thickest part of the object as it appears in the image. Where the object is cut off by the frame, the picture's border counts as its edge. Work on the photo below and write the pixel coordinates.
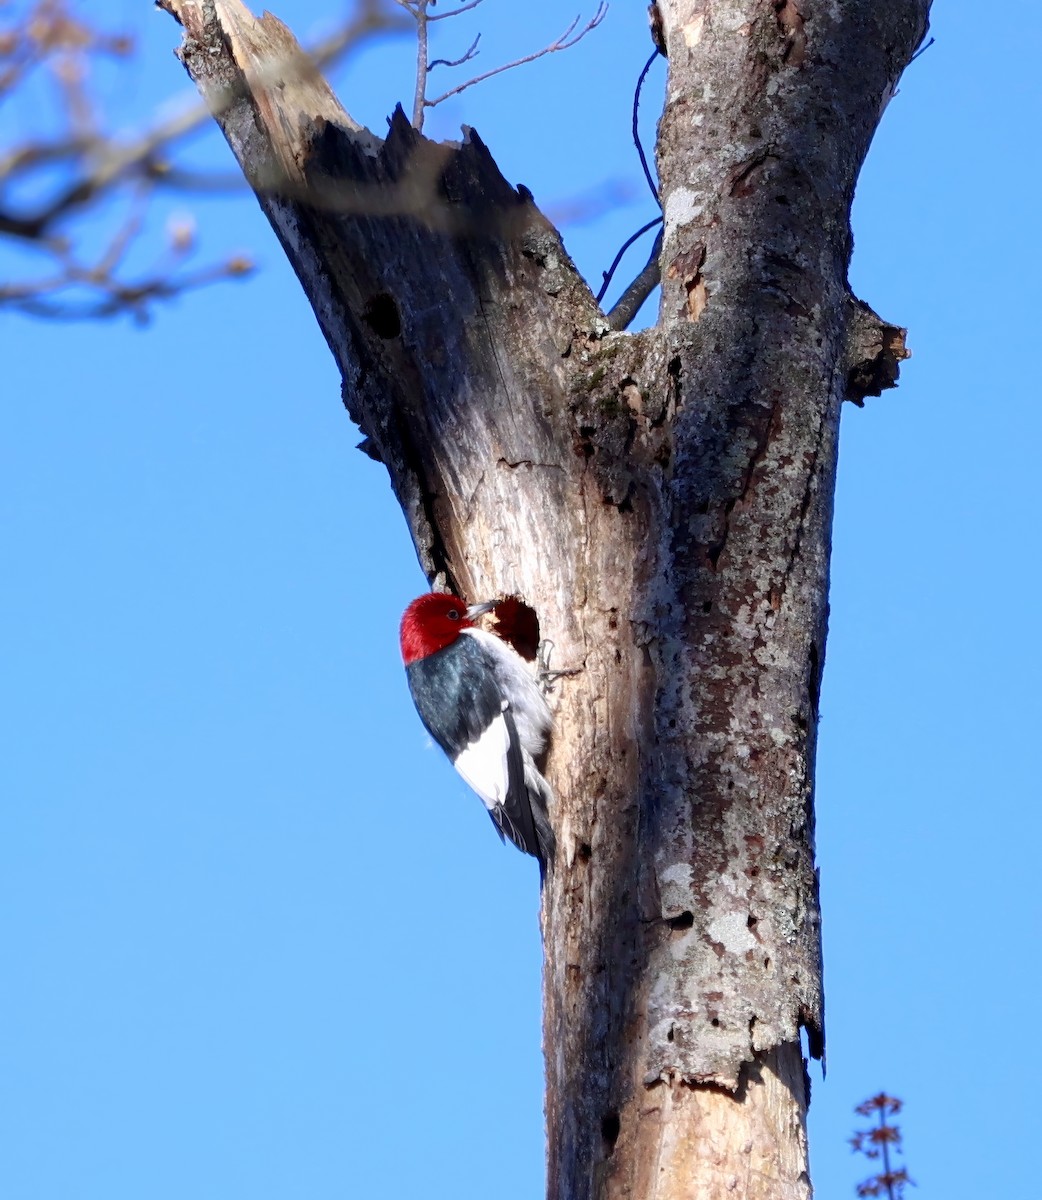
(539, 799)
(523, 817)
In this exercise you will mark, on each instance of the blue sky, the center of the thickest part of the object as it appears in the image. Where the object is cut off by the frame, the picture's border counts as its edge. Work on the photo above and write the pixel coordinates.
(258, 939)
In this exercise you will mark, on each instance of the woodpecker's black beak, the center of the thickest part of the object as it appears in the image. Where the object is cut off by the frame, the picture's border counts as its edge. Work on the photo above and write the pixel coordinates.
(479, 610)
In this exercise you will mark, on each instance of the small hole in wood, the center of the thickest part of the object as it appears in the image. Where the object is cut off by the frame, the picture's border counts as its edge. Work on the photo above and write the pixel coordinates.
(610, 1130)
(682, 920)
(518, 625)
(382, 316)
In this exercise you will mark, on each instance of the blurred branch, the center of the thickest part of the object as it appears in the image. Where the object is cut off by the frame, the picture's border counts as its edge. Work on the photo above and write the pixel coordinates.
(47, 29)
(44, 44)
(116, 298)
(876, 1144)
(50, 179)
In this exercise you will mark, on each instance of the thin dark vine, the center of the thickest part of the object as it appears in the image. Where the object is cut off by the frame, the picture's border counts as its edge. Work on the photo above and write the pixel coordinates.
(607, 275)
(636, 128)
(622, 250)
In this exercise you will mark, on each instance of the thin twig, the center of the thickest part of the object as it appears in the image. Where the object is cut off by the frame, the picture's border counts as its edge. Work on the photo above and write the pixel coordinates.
(444, 16)
(922, 50)
(119, 298)
(565, 42)
(471, 51)
(126, 233)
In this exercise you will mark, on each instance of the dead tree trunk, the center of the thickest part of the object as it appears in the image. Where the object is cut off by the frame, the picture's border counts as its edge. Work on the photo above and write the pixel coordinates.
(664, 503)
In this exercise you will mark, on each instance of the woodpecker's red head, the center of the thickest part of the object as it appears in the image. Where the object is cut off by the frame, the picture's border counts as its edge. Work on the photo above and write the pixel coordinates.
(431, 623)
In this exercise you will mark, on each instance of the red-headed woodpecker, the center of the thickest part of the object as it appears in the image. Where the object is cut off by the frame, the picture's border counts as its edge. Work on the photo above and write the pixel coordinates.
(480, 702)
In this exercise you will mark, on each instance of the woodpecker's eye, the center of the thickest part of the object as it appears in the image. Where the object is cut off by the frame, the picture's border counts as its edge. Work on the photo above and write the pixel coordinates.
(453, 615)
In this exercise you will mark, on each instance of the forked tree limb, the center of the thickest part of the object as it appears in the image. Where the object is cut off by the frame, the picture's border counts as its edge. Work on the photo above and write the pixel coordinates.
(664, 503)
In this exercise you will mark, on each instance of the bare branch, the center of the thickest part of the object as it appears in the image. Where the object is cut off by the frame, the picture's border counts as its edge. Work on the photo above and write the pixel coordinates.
(117, 161)
(470, 53)
(456, 12)
(83, 164)
(628, 304)
(564, 42)
(125, 234)
(47, 31)
(418, 9)
(118, 299)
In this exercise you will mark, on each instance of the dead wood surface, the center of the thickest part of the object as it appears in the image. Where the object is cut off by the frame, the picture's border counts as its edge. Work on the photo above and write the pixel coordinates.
(664, 502)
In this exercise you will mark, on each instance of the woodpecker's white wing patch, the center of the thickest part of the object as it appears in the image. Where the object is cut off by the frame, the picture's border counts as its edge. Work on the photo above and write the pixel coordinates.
(483, 764)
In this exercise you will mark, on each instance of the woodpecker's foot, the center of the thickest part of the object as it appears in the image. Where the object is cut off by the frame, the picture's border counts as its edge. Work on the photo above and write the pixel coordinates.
(544, 676)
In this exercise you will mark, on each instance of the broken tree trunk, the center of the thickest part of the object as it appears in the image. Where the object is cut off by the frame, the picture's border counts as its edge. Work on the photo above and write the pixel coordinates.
(662, 500)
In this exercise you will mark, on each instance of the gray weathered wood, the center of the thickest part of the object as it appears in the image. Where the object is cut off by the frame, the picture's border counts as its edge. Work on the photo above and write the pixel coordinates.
(664, 502)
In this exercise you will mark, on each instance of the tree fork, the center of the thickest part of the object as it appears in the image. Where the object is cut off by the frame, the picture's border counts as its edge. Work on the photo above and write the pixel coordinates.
(662, 500)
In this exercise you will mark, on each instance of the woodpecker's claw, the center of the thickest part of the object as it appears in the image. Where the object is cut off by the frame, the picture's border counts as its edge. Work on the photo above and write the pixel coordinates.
(542, 655)
(544, 676)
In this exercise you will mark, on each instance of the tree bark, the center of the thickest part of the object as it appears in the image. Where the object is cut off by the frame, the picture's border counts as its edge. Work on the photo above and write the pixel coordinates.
(662, 500)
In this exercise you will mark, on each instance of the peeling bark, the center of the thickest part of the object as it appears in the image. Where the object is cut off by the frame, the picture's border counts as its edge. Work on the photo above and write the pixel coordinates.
(875, 351)
(663, 501)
